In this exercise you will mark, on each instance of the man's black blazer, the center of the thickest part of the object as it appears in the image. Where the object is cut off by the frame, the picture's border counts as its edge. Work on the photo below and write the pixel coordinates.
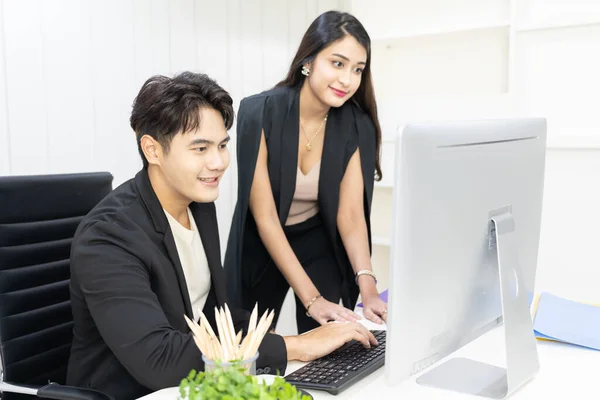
(129, 297)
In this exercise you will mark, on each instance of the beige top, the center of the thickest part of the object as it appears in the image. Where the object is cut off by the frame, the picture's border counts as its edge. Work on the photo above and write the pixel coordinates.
(305, 202)
(193, 261)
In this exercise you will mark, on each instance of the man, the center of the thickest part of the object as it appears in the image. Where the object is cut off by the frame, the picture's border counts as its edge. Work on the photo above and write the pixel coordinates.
(149, 253)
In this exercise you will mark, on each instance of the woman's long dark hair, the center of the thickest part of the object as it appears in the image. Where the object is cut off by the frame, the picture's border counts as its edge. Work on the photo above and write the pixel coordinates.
(326, 29)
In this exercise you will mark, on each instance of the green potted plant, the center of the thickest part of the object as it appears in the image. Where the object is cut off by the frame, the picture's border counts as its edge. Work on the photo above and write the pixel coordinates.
(230, 363)
(231, 383)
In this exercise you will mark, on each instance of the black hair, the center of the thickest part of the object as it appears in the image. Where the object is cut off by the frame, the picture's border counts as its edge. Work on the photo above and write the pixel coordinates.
(329, 27)
(166, 106)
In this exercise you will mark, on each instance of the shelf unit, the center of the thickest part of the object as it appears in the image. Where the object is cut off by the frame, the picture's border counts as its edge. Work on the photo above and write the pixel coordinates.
(472, 59)
(543, 26)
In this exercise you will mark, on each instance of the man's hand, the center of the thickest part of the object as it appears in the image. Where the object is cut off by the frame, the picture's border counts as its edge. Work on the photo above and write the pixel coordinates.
(325, 339)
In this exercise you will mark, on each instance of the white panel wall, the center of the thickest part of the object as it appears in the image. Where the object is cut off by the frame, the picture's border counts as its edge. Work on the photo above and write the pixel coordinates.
(4, 138)
(70, 69)
(25, 87)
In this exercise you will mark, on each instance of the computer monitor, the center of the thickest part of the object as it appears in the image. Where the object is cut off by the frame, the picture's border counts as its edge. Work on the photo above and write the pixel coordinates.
(467, 204)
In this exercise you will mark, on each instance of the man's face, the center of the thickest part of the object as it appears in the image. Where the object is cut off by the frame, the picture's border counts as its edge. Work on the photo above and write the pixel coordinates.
(196, 160)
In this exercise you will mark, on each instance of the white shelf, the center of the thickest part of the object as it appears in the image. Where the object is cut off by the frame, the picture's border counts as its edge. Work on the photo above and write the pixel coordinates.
(442, 66)
(442, 31)
(573, 143)
(556, 25)
(381, 241)
(405, 109)
(384, 184)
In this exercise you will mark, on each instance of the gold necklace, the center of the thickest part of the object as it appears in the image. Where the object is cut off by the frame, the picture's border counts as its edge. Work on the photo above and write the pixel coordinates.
(309, 141)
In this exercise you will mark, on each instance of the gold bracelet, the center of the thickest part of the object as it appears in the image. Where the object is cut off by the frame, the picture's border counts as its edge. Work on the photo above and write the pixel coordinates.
(310, 303)
(365, 272)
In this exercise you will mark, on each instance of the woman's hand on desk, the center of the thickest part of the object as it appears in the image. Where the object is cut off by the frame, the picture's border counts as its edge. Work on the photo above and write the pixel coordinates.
(325, 339)
(374, 309)
(324, 311)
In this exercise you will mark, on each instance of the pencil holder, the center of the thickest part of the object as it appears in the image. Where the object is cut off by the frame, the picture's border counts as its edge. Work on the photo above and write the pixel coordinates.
(249, 365)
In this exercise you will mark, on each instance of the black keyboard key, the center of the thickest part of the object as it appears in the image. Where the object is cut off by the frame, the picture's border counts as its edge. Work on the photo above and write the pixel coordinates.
(342, 368)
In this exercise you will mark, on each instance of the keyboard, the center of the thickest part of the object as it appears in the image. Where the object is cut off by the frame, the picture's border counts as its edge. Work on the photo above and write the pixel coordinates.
(342, 368)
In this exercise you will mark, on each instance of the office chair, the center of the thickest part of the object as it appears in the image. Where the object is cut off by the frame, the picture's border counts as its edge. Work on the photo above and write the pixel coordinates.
(38, 218)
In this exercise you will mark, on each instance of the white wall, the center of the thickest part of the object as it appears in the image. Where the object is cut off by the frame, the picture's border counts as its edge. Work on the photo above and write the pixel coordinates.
(455, 59)
(70, 69)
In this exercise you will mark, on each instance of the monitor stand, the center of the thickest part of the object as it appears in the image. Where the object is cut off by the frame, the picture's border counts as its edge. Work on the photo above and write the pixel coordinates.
(477, 378)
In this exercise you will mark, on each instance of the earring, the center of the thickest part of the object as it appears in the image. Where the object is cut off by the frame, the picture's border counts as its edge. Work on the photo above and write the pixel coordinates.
(305, 71)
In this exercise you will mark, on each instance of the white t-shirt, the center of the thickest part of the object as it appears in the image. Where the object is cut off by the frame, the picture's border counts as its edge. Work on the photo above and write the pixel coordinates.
(193, 260)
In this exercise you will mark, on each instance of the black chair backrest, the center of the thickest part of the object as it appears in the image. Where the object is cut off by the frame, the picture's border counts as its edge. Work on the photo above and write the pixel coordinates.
(38, 217)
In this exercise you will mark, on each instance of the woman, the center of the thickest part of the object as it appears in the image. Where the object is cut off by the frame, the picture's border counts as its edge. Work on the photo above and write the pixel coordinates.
(308, 153)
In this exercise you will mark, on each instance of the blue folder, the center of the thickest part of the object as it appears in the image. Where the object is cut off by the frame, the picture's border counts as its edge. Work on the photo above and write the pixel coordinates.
(567, 321)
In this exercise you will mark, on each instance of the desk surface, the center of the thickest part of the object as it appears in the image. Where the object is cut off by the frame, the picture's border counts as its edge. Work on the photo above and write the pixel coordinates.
(566, 371)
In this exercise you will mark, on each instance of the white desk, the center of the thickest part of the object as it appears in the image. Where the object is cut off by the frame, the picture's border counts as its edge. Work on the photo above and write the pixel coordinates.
(567, 372)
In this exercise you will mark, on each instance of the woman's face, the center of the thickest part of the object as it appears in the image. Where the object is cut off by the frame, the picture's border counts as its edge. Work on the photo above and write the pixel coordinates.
(336, 72)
